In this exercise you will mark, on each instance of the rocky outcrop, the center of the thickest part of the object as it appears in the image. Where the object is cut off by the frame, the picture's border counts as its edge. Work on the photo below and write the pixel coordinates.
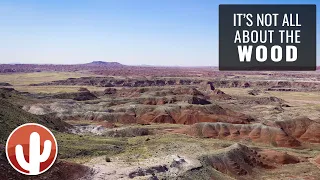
(239, 160)
(197, 100)
(87, 129)
(210, 86)
(171, 170)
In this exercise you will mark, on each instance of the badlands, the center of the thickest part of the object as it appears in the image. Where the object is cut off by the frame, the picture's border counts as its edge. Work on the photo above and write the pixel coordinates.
(128, 122)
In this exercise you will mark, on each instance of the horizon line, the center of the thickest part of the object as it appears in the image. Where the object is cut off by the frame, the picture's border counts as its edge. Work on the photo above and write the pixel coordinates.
(141, 65)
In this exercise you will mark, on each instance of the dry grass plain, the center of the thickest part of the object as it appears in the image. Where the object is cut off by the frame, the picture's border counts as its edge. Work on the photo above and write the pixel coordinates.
(38, 77)
(21, 81)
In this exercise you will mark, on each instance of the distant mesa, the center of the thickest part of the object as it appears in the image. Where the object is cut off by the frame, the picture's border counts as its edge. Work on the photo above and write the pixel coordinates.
(103, 63)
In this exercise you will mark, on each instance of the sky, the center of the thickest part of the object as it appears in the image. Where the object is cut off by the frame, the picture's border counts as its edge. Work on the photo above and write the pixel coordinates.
(132, 32)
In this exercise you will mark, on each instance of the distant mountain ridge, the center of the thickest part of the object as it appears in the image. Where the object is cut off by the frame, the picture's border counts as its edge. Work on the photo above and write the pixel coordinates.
(103, 63)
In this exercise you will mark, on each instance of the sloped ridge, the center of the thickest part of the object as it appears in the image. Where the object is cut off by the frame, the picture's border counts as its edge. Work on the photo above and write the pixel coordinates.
(302, 128)
(142, 114)
(12, 116)
(236, 160)
(253, 132)
(208, 113)
(240, 160)
(289, 133)
(190, 115)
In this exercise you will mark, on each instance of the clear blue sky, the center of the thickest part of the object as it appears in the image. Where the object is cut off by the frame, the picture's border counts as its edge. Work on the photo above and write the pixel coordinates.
(134, 32)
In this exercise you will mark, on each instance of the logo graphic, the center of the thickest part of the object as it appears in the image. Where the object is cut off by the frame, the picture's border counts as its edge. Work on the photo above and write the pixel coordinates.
(267, 37)
(31, 149)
